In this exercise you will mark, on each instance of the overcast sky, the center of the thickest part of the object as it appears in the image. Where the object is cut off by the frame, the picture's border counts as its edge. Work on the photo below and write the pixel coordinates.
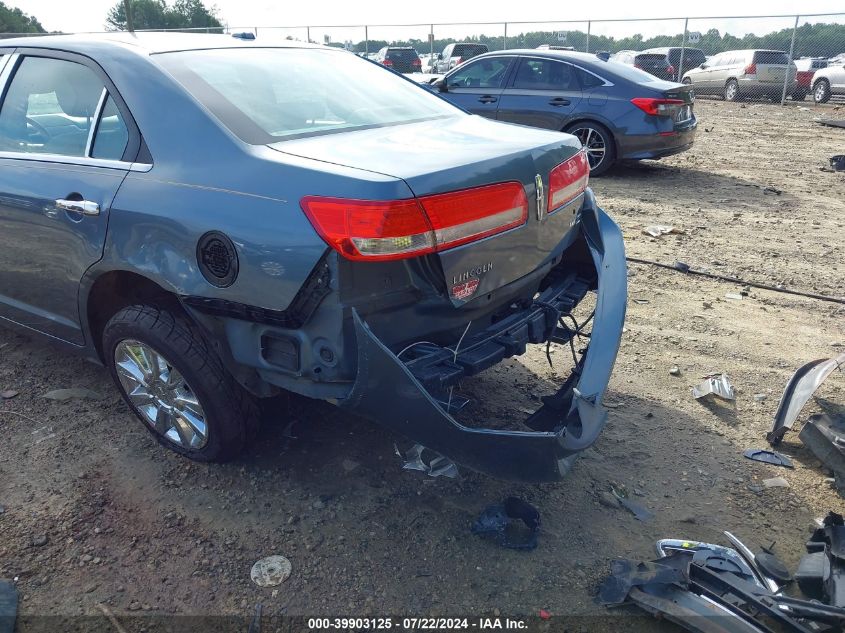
(89, 15)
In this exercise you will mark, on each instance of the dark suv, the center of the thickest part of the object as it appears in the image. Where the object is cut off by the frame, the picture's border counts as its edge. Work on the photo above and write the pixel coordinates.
(456, 54)
(651, 63)
(693, 58)
(402, 59)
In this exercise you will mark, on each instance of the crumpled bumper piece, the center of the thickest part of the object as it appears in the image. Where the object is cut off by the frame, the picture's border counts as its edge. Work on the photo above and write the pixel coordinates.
(386, 391)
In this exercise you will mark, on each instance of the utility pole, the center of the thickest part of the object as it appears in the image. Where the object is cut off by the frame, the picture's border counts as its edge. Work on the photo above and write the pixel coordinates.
(127, 8)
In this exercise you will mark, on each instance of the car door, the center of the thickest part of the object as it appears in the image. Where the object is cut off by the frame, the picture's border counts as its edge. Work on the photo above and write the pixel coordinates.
(837, 77)
(543, 93)
(477, 85)
(65, 148)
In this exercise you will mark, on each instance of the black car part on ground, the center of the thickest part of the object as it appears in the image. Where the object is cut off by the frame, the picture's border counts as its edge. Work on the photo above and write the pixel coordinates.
(824, 435)
(799, 390)
(388, 390)
(821, 572)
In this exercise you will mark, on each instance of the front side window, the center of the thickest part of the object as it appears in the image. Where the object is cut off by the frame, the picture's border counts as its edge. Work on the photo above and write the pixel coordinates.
(50, 107)
(484, 73)
(265, 95)
(544, 74)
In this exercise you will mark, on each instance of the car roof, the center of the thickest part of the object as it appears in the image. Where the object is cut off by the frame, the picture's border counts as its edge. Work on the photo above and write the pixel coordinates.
(571, 56)
(145, 43)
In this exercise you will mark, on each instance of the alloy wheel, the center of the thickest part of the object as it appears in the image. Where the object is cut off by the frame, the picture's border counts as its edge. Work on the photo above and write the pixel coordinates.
(821, 92)
(730, 91)
(593, 142)
(161, 394)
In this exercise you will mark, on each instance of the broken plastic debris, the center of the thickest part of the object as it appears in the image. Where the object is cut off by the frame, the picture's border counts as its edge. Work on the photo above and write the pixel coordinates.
(768, 457)
(438, 466)
(8, 394)
(656, 230)
(69, 394)
(270, 571)
(733, 296)
(639, 512)
(514, 523)
(716, 384)
(776, 482)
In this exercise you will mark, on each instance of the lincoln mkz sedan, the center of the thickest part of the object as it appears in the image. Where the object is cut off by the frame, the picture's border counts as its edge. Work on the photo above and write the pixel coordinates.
(618, 112)
(217, 221)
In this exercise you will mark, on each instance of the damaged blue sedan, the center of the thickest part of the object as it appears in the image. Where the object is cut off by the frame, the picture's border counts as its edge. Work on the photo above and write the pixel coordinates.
(216, 220)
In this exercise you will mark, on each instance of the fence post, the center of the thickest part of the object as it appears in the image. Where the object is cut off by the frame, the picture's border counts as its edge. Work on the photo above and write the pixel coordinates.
(308, 34)
(589, 24)
(366, 40)
(505, 41)
(683, 47)
(431, 41)
(789, 65)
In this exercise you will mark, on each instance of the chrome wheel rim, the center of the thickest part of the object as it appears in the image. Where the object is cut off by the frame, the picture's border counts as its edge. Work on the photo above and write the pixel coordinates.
(730, 91)
(162, 396)
(593, 142)
(820, 91)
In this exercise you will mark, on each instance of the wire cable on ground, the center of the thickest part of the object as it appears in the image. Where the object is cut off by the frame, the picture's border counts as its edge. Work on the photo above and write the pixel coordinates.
(683, 268)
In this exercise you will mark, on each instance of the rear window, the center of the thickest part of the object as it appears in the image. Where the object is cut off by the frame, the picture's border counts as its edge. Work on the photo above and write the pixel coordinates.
(651, 60)
(468, 50)
(404, 54)
(693, 57)
(264, 95)
(819, 63)
(771, 57)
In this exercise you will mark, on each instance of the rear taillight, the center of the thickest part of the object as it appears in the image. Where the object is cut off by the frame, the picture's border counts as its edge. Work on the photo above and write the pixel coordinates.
(671, 70)
(387, 62)
(638, 66)
(751, 69)
(657, 107)
(416, 62)
(397, 229)
(568, 180)
(458, 60)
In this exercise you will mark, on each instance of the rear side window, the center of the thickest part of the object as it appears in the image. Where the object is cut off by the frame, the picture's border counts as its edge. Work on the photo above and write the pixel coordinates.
(693, 58)
(819, 64)
(588, 80)
(545, 74)
(771, 57)
(112, 135)
(403, 54)
(50, 107)
(484, 73)
(465, 51)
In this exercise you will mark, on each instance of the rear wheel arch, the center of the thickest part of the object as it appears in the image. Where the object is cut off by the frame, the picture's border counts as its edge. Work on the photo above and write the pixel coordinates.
(115, 290)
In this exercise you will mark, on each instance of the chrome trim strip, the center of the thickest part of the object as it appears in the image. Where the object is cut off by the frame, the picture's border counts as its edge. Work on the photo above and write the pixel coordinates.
(101, 103)
(6, 70)
(76, 161)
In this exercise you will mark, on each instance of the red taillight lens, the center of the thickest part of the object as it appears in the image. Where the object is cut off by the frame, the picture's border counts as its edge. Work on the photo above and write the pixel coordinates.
(671, 70)
(458, 60)
(397, 229)
(387, 62)
(657, 107)
(416, 62)
(568, 180)
(751, 69)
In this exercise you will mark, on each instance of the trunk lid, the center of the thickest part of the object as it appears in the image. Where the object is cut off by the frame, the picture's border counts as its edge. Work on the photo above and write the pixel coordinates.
(460, 153)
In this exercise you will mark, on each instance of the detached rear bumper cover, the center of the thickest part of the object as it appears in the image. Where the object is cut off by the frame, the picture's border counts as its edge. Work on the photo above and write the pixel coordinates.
(386, 391)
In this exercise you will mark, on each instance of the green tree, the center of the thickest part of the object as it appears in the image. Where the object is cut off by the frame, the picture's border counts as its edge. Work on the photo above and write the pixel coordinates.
(15, 21)
(157, 14)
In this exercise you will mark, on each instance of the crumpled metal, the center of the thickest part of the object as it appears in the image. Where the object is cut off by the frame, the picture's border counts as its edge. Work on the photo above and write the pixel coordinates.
(717, 385)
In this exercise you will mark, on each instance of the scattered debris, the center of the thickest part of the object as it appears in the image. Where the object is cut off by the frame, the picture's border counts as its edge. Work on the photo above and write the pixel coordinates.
(38, 540)
(514, 523)
(681, 266)
(716, 384)
(607, 499)
(775, 482)
(656, 230)
(8, 606)
(799, 390)
(544, 614)
(437, 466)
(69, 394)
(768, 457)
(773, 567)
(674, 370)
(640, 513)
(627, 574)
(725, 557)
(8, 394)
(733, 296)
(838, 162)
(271, 571)
(760, 397)
(255, 625)
(824, 435)
(821, 572)
(749, 557)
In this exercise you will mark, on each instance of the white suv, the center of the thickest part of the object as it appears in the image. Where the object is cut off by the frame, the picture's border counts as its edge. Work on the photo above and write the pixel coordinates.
(746, 73)
(829, 81)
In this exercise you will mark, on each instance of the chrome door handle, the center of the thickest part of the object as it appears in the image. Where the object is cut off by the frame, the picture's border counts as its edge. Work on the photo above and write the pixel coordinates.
(85, 207)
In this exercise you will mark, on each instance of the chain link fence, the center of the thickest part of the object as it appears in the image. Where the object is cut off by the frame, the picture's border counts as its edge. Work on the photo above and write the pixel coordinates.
(815, 44)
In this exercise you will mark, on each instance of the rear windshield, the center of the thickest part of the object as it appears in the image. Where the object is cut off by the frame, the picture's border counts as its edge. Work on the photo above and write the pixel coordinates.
(629, 73)
(651, 60)
(771, 57)
(819, 63)
(264, 95)
(468, 50)
(693, 57)
(404, 54)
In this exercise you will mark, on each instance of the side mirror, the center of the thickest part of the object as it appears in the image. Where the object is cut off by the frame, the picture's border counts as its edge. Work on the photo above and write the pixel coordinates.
(703, 66)
(440, 56)
(440, 84)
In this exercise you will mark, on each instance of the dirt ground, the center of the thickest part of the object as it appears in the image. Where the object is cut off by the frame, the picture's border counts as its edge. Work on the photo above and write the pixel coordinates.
(95, 511)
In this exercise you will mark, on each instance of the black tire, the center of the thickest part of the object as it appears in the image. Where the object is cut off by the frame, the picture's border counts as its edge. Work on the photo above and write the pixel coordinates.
(231, 414)
(732, 90)
(582, 129)
(821, 91)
